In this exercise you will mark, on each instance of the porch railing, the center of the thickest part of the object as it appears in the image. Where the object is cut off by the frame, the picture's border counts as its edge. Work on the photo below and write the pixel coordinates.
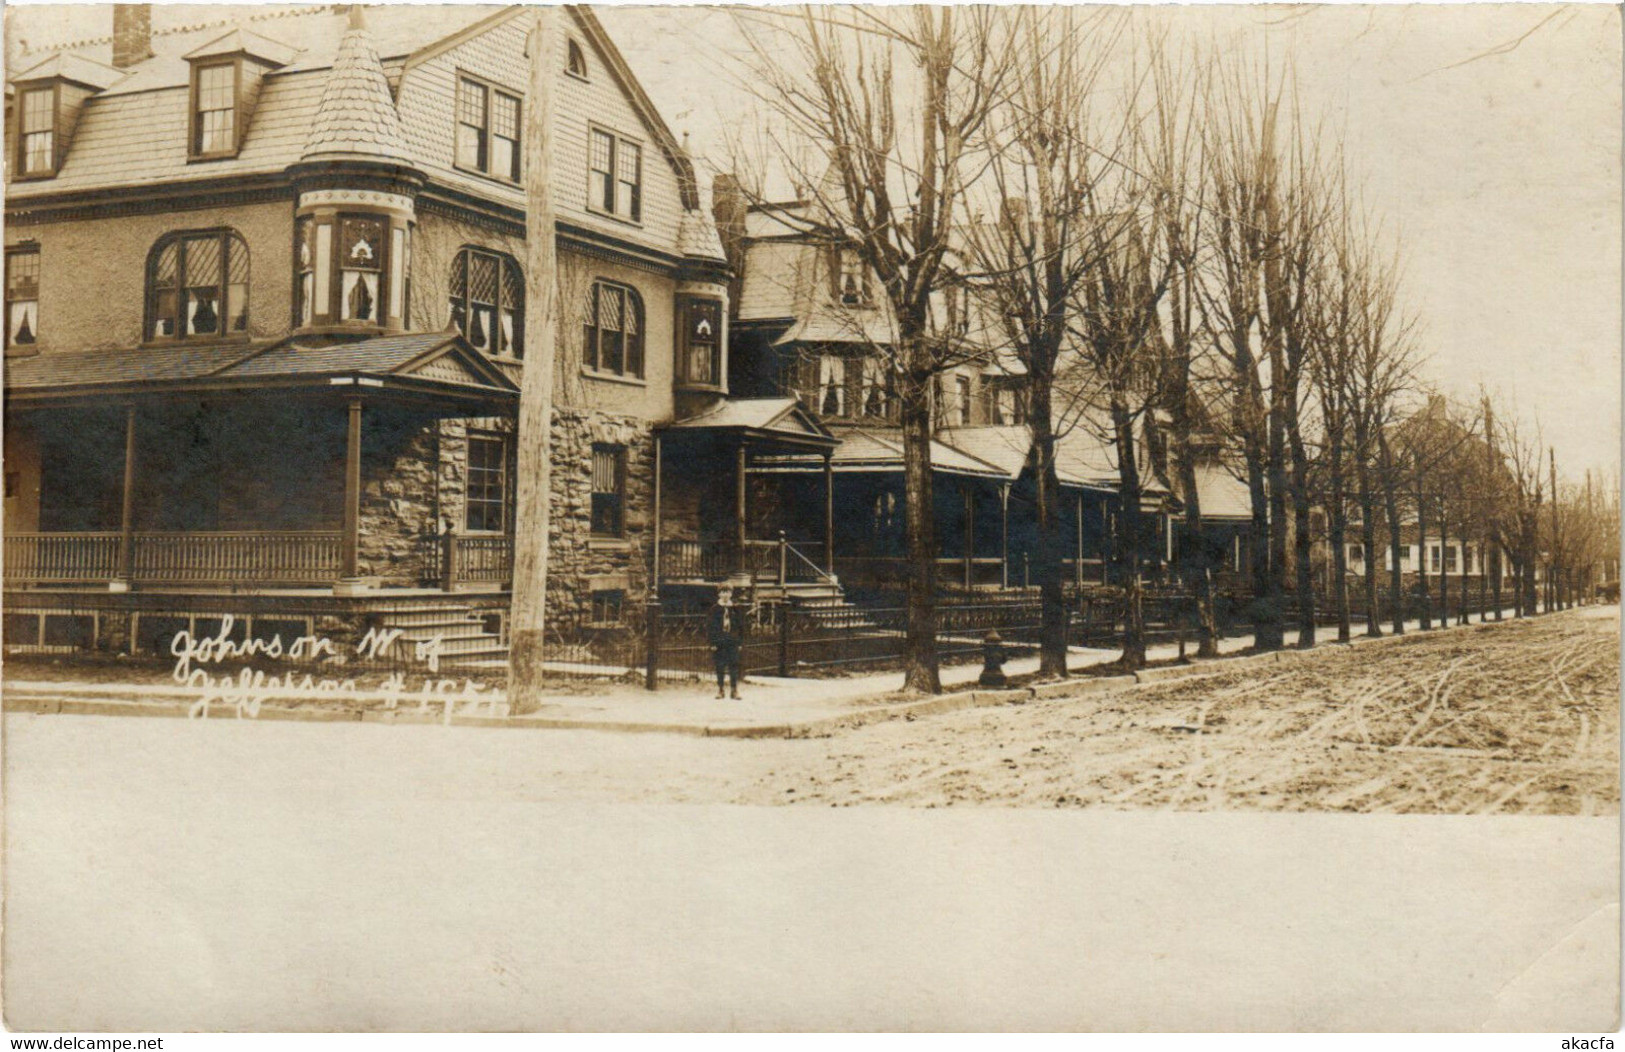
(259, 556)
(227, 557)
(452, 559)
(61, 558)
(764, 561)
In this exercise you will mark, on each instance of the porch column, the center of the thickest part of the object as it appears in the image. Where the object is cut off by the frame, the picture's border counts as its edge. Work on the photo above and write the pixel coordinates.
(739, 510)
(655, 557)
(126, 536)
(829, 513)
(350, 542)
(1004, 535)
(970, 531)
(1077, 565)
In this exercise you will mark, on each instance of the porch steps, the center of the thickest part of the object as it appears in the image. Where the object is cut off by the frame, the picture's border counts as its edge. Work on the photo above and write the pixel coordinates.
(464, 638)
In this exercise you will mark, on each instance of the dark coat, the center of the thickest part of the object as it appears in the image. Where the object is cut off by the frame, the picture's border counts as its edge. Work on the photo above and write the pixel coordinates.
(726, 627)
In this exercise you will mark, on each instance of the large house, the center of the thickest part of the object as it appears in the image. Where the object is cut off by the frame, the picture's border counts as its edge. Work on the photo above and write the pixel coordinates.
(265, 310)
(808, 325)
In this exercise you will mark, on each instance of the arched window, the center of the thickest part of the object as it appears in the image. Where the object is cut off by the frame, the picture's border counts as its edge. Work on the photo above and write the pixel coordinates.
(488, 301)
(197, 285)
(577, 60)
(613, 330)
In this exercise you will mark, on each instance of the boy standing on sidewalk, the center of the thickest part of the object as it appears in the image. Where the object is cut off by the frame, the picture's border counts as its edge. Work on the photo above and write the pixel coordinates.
(727, 633)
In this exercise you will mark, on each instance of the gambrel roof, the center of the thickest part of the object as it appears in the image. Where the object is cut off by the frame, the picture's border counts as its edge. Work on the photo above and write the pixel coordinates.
(405, 64)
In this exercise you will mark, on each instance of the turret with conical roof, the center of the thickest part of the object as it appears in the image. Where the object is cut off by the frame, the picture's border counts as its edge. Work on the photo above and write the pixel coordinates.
(356, 119)
(357, 200)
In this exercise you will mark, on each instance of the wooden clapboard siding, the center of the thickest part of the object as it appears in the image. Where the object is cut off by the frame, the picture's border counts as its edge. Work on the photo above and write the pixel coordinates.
(427, 107)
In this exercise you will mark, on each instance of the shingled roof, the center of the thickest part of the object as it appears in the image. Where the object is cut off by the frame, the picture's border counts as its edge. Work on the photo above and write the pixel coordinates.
(356, 118)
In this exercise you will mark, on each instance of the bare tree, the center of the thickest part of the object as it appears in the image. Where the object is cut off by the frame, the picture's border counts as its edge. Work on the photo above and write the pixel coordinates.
(889, 100)
(1266, 210)
(1029, 266)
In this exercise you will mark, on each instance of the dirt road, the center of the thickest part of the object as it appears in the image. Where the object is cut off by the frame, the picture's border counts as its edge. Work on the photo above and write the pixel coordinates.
(1512, 718)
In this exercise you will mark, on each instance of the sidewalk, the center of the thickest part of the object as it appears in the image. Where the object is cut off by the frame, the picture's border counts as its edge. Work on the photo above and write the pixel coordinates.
(771, 706)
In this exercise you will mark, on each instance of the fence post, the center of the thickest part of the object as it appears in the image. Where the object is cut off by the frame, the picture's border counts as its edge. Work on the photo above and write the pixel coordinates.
(784, 638)
(783, 558)
(651, 641)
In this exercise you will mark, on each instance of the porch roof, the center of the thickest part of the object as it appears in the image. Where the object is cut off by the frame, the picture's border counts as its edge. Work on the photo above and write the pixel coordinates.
(777, 420)
(1224, 497)
(436, 365)
(862, 450)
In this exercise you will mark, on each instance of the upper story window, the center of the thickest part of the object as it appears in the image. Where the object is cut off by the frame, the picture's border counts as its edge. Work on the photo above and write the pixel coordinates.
(577, 61)
(22, 297)
(214, 110)
(351, 269)
(487, 129)
(876, 393)
(700, 361)
(831, 385)
(36, 145)
(615, 185)
(962, 404)
(361, 265)
(613, 331)
(851, 280)
(197, 285)
(488, 302)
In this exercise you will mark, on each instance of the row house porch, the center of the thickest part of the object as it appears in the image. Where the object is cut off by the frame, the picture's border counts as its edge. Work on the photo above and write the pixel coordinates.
(290, 468)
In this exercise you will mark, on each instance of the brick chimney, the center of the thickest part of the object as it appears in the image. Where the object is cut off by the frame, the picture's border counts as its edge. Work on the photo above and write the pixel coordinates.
(132, 34)
(728, 209)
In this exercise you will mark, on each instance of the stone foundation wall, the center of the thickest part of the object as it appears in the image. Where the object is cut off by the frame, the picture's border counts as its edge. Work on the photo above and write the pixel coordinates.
(580, 563)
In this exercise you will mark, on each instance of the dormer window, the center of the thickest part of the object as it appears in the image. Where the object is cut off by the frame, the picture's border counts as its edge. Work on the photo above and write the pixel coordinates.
(214, 110)
(36, 146)
(226, 77)
(851, 282)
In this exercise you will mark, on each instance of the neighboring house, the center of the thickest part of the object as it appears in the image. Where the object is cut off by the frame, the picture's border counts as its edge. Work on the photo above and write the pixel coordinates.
(265, 309)
(809, 326)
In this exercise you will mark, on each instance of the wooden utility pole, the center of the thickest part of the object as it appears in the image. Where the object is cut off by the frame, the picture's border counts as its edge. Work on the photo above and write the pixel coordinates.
(531, 511)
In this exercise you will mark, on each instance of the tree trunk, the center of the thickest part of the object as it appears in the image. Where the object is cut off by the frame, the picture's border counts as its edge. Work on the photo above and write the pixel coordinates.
(1196, 566)
(1390, 499)
(1303, 542)
(1052, 597)
(1422, 549)
(1128, 471)
(1337, 526)
(920, 635)
(1278, 487)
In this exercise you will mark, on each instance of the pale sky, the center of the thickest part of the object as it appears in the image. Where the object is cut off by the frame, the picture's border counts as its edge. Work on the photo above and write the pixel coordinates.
(1502, 173)
(1498, 160)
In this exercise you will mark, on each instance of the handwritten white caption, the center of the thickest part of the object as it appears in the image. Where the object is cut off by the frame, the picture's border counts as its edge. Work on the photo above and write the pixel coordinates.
(247, 689)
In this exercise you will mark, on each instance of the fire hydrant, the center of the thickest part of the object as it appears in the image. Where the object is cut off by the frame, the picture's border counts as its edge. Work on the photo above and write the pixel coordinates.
(993, 658)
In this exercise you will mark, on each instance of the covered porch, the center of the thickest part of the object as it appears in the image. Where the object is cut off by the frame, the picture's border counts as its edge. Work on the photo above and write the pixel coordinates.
(713, 519)
(240, 469)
